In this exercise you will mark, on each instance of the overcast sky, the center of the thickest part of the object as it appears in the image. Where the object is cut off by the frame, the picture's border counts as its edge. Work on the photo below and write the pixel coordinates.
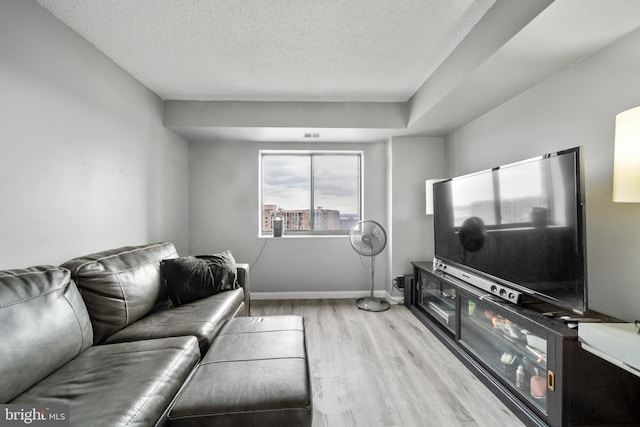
(286, 182)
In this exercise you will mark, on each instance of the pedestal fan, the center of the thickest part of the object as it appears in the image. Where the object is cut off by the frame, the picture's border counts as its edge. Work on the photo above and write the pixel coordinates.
(368, 238)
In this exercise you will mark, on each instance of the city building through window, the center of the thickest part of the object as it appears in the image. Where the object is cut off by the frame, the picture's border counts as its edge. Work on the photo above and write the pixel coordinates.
(312, 192)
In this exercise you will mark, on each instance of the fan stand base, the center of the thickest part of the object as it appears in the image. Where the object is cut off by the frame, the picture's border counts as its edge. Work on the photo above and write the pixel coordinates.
(372, 304)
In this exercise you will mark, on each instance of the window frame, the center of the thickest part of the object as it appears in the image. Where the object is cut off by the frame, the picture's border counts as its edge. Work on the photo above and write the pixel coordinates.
(310, 154)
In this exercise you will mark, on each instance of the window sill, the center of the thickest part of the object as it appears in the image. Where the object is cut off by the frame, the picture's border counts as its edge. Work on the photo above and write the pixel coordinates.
(303, 236)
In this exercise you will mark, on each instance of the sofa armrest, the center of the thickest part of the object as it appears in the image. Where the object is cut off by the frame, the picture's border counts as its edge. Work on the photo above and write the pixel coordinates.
(243, 281)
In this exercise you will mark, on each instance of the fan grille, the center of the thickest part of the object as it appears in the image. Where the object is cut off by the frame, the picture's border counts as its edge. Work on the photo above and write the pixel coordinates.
(368, 237)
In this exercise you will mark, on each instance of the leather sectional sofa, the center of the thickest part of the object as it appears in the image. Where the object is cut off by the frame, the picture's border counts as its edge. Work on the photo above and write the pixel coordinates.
(98, 334)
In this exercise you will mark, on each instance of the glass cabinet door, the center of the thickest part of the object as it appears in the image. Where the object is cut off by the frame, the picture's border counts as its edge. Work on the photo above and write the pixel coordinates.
(438, 299)
(515, 354)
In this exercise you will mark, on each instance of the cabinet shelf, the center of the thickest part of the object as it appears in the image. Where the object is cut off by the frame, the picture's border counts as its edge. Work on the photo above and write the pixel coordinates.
(501, 345)
(534, 363)
(443, 311)
(494, 338)
(438, 299)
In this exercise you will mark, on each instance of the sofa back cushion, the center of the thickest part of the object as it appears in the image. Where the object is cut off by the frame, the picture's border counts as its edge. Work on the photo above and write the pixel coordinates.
(120, 286)
(44, 325)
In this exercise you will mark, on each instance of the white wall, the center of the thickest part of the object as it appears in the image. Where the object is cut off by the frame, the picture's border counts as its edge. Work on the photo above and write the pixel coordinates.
(574, 107)
(85, 162)
(225, 213)
(414, 160)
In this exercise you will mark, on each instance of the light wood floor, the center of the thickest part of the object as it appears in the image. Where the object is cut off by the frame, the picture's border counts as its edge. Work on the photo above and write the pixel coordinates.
(385, 369)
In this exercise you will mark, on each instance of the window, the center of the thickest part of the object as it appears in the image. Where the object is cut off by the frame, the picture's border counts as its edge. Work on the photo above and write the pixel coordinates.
(313, 192)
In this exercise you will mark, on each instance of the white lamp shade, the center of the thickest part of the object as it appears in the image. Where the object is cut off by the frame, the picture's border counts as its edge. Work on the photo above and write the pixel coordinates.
(626, 161)
(429, 194)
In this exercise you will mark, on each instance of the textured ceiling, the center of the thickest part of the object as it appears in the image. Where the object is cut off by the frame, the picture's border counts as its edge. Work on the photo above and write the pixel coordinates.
(276, 50)
(399, 67)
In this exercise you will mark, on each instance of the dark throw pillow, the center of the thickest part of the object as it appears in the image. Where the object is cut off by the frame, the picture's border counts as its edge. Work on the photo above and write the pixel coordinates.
(195, 277)
(224, 270)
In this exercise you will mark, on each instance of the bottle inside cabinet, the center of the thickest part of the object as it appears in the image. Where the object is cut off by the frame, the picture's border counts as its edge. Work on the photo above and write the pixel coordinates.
(515, 354)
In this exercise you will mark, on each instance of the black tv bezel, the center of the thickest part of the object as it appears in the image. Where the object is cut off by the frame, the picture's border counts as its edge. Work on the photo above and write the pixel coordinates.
(580, 216)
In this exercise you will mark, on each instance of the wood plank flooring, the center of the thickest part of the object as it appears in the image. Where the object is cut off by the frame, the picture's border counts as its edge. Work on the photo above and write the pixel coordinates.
(385, 369)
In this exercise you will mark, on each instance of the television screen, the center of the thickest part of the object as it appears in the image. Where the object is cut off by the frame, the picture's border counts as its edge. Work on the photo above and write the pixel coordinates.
(521, 225)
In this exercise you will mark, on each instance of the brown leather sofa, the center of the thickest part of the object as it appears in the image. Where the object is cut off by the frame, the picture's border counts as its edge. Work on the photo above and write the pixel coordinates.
(98, 334)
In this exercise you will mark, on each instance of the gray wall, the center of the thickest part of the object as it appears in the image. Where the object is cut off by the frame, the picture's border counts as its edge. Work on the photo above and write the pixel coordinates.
(85, 162)
(576, 107)
(225, 213)
(414, 160)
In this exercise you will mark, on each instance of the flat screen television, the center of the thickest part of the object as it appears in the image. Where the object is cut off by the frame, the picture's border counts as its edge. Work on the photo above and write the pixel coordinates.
(520, 225)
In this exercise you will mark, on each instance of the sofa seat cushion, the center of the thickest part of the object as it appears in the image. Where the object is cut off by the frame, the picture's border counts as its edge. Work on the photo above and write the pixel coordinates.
(44, 325)
(128, 384)
(203, 319)
(120, 286)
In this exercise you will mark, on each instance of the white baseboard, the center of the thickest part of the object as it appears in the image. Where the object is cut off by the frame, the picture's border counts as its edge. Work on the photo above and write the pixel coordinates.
(394, 300)
(323, 295)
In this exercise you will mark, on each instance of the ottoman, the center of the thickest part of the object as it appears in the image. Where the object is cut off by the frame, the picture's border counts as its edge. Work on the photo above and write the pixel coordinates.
(256, 373)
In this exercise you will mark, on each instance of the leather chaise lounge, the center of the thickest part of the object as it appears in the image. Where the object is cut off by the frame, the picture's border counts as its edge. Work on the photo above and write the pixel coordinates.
(99, 334)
